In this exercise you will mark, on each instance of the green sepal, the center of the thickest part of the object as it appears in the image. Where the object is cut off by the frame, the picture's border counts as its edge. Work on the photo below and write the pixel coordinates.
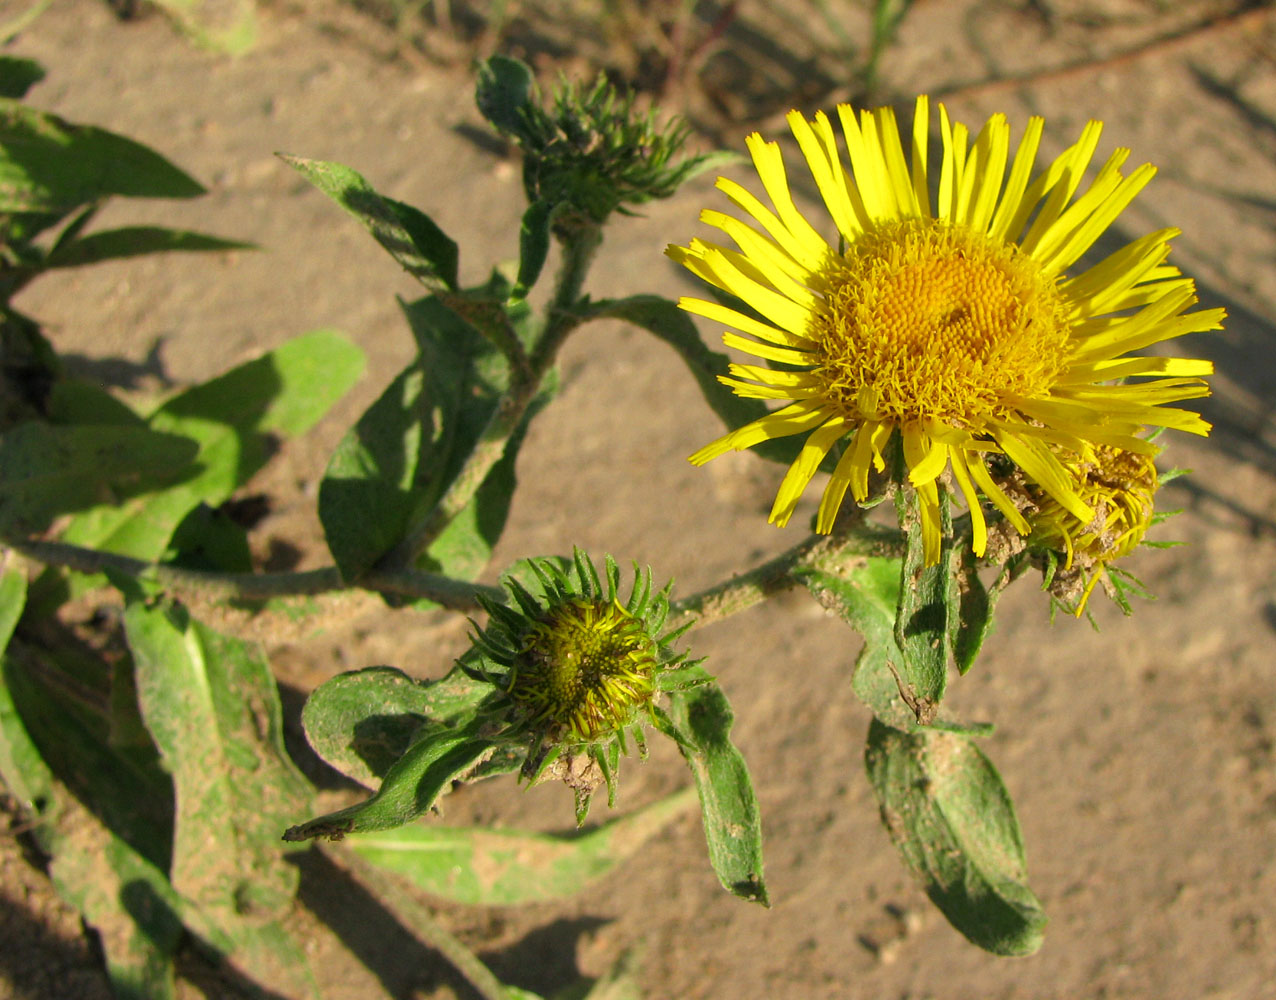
(948, 812)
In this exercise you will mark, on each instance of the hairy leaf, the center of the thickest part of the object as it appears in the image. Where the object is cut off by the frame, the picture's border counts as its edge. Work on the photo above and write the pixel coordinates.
(134, 241)
(363, 721)
(46, 470)
(438, 756)
(409, 235)
(702, 719)
(948, 812)
(490, 867)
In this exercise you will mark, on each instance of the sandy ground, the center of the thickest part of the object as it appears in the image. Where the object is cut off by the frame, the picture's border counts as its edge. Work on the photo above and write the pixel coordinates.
(1141, 757)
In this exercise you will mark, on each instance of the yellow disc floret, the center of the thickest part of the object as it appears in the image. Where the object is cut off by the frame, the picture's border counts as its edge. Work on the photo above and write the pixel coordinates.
(584, 670)
(927, 321)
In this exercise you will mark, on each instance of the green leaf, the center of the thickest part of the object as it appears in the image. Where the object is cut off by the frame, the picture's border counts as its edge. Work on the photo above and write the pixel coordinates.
(46, 470)
(670, 324)
(946, 809)
(134, 241)
(481, 866)
(866, 598)
(71, 401)
(362, 721)
(926, 616)
(703, 718)
(503, 91)
(533, 245)
(409, 235)
(212, 706)
(366, 496)
(127, 900)
(18, 75)
(412, 443)
(59, 696)
(437, 757)
(120, 894)
(975, 608)
(234, 419)
(50, 165)
(24, 772)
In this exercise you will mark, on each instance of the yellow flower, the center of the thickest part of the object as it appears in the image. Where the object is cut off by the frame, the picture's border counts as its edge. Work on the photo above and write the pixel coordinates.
(945, 312)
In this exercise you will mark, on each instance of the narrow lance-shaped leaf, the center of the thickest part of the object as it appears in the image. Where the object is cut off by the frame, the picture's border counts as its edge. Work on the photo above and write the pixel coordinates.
(701, 719)
(533, 246)
(49, 165)
(409, 235)
(946, 809)
(120, 894)
(411, 786)
(485, 867)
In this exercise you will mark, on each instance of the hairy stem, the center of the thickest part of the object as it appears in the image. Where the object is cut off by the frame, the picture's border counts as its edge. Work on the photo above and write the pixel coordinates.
(837, 553)
(457, 595)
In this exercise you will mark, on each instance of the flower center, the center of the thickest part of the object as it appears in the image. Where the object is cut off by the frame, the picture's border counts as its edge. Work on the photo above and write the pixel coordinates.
(585, 669)
(924, 320)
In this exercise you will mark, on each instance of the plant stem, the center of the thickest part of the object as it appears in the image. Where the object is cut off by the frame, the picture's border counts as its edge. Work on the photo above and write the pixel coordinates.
(457, 595)
(417, 919)
(578, 253)
(838, 553)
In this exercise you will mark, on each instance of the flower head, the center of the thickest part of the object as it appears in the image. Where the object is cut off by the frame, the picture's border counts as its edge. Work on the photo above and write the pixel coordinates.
(946, 314)
(578, 670)
(1119, 486)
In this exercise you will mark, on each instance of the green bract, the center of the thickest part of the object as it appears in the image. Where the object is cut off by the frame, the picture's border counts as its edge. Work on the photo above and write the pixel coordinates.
(579, 672)
(590, 152)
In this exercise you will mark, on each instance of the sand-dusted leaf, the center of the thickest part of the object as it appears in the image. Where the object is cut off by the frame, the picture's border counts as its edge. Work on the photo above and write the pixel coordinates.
(409, 235)
(235, 419)
(926, 618)
(950, 815)
(368, 493)
(212, 706)
(362, 721)
(867, 598)
(49, 165)
(119, 893)
(975, 609)
(46, 470)
(703, 718)
(439, 755)
(488, 867)
(134, 241)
